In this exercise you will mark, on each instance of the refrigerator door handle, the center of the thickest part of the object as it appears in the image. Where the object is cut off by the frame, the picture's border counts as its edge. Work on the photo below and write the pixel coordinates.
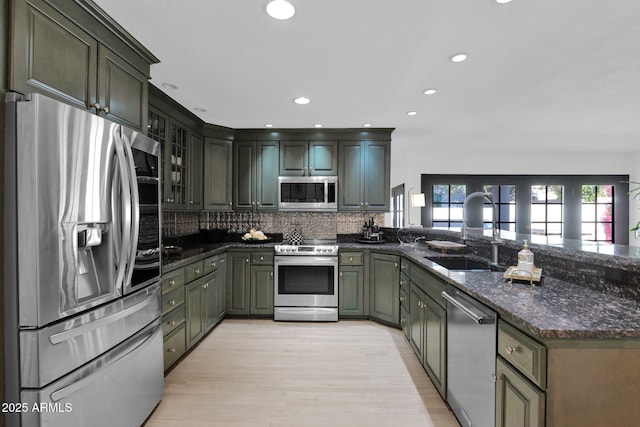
(86, 381)
(125, 207)
(86, 328)
(135, 208)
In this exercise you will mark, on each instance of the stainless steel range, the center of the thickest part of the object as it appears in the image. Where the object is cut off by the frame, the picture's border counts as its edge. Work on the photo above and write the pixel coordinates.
(306, 282)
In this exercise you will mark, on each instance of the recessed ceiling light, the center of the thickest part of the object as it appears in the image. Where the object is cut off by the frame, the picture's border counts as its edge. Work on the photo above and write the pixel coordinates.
(200, 110)
(366, 125)
(302, 100)
(412, 113)
(268, 125)
(429, 91)
(317, 125)
(459, 57)
(169, 86)
(280, 9)
(502, 1)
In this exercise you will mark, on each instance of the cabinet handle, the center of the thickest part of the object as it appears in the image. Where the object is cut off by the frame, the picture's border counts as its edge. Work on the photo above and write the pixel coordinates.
(171, 350)
(213, 264)
(172, 323)
(395, 264)
(496, 378)
(257, 203)
(197, 271)
(261, 258)
(246, 260)
(401, 298)
(172, 302)
(510, 349)
(402, 282)
(403, 266)
(172, 282)
(350, 259)
(341, 274)
(271, 273)
(191, 202)
(230, 204)
(98, 109)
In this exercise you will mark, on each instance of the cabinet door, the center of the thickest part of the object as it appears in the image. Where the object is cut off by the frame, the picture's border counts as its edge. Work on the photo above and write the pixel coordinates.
(238, 283)
(351, 176)
(262, 290)
(195, 315)
(416, 321)
(519, 403)
(122, 89)
(266, 185)
(377, 179)
(385, 287)
(158, 129)
(218, 181)
(222, 286)
(351, 291)
(244, 155)
(175, 166)
(294, 158)
(435, 357)
(194, 169)
(323, 158)
(210, 300)
(43, 37)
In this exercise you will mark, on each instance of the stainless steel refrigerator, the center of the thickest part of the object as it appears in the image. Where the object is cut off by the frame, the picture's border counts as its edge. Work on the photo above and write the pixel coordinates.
(82, 308)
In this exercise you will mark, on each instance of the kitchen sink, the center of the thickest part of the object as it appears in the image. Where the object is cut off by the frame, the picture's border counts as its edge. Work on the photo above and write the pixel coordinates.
(460, 263)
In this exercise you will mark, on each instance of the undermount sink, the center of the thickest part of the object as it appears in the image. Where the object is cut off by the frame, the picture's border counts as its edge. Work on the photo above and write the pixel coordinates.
(460, 263)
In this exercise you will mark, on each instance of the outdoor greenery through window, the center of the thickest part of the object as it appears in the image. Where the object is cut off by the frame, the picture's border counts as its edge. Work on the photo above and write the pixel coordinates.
(597, 213)
(578, 207)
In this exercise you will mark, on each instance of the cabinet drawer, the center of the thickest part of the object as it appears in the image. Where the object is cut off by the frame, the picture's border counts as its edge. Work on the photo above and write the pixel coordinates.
(527, 355)
(262, 258)
(404, 299)
(172, 300)
(429, 284)
(405, 266)
(174, 346)
(172, 280)
(404, 282)
(173, 319)
(351, 258)
(193, 271)
(211, 264)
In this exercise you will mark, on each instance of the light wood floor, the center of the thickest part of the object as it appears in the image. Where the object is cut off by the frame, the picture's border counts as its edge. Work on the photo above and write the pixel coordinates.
(264, 373)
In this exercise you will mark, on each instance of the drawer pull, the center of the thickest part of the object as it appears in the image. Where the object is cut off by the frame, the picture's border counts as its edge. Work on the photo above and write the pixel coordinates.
(510, 349)
(402, 282)
(172, 282)
(350, 259)
(197, 271)
(213, 264)
(172, 323)
(172, 302)
(261, 258)
(496, 378)
(395, 264)
(171, 350)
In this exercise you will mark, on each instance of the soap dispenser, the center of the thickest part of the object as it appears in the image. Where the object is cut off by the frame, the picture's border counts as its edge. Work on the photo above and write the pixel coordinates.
(525, 259)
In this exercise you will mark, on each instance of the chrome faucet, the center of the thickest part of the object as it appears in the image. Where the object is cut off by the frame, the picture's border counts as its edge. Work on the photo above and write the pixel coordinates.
(495, 234)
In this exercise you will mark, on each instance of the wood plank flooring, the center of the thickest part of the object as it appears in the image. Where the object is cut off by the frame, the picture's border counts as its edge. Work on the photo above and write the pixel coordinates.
(263, 373)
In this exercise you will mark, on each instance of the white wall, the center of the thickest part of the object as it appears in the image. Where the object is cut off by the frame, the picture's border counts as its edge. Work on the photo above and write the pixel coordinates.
(410, 160)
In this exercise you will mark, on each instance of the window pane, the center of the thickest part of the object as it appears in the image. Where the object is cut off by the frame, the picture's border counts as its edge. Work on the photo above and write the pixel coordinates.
(538, 193)
(538, 213)
(508, 193)
(487, 213)
(440, 214)
(441, 193)
(456, 213)
(553, 228)
(554, 194)
(538, 228)
(554, 213)
(588, 231)
(589, 194)
(458, 193)
(589, 212)
(441, 224)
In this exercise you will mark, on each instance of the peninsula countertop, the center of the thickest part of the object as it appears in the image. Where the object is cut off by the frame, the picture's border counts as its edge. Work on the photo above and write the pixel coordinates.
(554, 310)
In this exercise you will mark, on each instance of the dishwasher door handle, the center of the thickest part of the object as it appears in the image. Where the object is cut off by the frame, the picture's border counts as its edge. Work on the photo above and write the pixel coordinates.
(479, 319)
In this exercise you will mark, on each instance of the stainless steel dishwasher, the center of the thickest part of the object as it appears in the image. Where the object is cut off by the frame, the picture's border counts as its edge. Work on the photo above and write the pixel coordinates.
(471, 359)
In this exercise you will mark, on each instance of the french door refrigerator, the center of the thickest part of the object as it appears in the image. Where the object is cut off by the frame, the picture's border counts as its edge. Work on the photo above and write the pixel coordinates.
(82, 251)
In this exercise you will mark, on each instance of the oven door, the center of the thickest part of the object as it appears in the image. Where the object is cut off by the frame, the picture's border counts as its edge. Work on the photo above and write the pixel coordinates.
(306, 281)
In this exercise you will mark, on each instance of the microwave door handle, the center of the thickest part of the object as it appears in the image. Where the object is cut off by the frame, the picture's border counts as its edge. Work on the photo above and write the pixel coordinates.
(124, 206)
(135, 209)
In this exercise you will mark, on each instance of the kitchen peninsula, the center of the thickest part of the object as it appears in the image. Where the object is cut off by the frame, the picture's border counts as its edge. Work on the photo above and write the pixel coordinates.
(557, 342)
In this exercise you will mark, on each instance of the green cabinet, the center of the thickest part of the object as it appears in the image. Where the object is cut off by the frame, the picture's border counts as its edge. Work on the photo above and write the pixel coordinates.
(194, 173)
(351, 284)
(300, 158)
(364, 176)
(519, 403)
(55, 55)
(218, 177)
(384, 273)
(261, 290)
(203, 305)
(428, 325)
(255, 171)
(173, 316)
(238, 283)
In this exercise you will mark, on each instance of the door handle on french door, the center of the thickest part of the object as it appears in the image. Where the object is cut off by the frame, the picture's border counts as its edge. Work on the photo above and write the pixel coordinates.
(135, 208)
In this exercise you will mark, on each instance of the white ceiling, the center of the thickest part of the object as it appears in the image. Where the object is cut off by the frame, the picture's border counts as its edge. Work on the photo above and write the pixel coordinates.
(557, 74)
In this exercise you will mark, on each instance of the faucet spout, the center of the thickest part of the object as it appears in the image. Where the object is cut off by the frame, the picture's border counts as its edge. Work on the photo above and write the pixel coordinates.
(495, 232)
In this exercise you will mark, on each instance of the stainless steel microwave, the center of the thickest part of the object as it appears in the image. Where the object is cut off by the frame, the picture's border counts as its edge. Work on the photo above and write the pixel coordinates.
(308, 193)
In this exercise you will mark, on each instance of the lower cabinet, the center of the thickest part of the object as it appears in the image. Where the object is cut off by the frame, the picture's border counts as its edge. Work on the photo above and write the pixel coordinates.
(384, 273)
(436, 344)
(250, 282)
(351, 284)
(202, 306)
(518, 402)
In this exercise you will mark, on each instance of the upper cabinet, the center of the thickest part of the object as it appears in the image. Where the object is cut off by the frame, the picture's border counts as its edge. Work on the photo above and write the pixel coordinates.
(364, 176)
(255, 175)
(71, 51)
(308, 158)
(218, 178)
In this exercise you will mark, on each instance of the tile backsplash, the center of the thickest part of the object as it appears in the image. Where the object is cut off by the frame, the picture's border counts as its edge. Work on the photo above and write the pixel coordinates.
(313, 225)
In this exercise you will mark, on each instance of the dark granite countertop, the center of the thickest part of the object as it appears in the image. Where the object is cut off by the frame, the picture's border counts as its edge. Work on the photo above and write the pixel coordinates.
(555, 310)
